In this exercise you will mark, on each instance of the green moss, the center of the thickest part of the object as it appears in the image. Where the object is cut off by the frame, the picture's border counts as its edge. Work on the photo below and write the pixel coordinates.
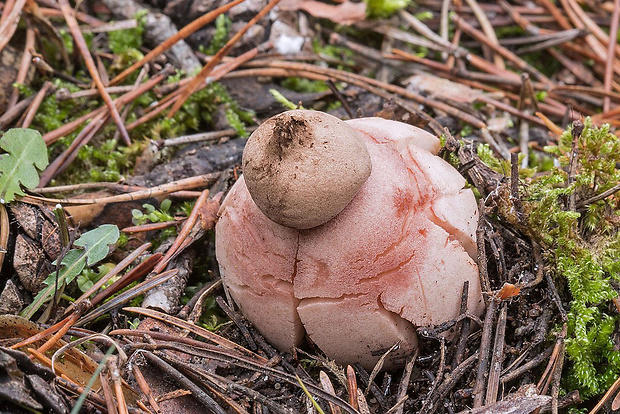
(123, 40)
(485, 153)
(583, 248)
(104, 161)
(424, 15)
(197, 113)
(220, 37)
(335, 52)
(24, 90)
(67, 40)
(53, 113)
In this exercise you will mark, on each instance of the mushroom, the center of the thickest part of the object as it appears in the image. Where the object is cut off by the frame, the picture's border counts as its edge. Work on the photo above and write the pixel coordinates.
(350, 233)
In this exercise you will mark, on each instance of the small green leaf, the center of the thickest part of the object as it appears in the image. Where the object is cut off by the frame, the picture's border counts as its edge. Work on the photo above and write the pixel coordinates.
(96, 241)
(384, 8)
(25, 150)
(95, 244)
(165, 205)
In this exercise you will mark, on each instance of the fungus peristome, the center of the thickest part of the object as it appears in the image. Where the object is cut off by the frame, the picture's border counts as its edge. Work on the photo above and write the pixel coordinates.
(393, 258)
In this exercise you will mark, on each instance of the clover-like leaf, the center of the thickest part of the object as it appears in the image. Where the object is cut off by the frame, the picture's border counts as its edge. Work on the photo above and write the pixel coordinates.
(94, 248)
(26, 152)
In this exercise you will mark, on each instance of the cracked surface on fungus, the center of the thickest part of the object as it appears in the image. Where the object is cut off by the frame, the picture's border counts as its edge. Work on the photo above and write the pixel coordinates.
(394, 259)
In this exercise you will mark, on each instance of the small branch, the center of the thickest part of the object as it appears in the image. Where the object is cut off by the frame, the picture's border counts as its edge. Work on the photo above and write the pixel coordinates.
(508, 55)
(404, 383)
(599, 197)
(10, 21)
(487, 29)
(572, 166)
(45, 90)
(498, 356)
(485, 348)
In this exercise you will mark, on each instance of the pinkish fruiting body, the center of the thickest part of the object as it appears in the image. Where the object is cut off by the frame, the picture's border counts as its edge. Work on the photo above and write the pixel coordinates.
(393, 259)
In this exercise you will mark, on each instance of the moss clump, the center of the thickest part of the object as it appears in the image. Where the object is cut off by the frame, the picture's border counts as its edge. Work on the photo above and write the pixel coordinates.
(122, 40)
(581, 245)
(585, 247)
(220, 37)
(197, 113)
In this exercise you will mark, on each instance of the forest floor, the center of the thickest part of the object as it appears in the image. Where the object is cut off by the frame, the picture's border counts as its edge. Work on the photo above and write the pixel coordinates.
(125, 125)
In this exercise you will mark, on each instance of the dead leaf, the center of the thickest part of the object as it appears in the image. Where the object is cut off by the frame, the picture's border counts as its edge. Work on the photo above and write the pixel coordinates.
(346, 12)
(442, 88)
(508, 291)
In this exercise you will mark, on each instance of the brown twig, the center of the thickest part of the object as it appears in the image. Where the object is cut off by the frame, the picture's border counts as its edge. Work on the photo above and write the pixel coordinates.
(487, 30)
(67, 128)
(485, 348)
(160, 190)
(462, 329)
(508, 55)
(9, 22)
(572, 166)
(557, 371)
(599, 197)
(195, 329)
(11, 114)
(238, 321)
(38, 99)
(80, 43)
(64, 159)
(22, 72)
(534, 362)
(197, 392)
(451, 380)
(497, 357)
(404, 383)
(485, 284)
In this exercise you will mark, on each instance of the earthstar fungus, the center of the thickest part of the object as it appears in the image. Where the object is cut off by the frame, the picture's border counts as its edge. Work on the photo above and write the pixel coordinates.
(353, 233)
